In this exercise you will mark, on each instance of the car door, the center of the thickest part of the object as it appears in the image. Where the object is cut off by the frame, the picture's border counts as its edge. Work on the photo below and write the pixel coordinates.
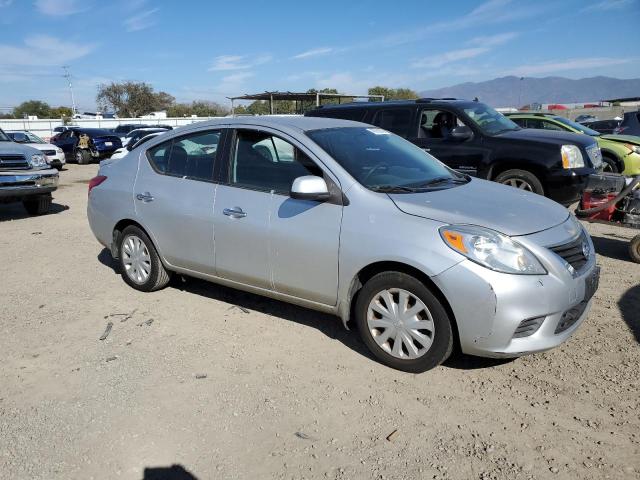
(265, 238)
(67, 142)
(433, 136)
(174, 195)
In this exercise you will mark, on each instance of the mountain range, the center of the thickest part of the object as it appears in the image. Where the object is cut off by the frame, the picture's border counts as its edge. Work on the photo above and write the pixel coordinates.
(514, 91)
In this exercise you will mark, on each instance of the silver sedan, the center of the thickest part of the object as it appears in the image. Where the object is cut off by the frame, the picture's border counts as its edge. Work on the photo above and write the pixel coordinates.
(349, 219)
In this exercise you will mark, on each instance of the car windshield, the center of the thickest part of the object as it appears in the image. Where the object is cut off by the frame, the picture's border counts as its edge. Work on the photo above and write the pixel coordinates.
(383, 161)
(577, 126)
(490, 121)
(33, 138)
(4, 137)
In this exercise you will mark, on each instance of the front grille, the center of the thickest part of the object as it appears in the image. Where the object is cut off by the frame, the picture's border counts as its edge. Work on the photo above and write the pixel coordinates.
(573, 252)
(595, 155)
(49, 153)
(571, 316)
(528, 327)
(13, 162)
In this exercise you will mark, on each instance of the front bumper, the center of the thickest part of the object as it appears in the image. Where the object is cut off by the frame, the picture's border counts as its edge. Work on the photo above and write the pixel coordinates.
(56, 160)
(25, 183)
(490, 306)
(566, 186)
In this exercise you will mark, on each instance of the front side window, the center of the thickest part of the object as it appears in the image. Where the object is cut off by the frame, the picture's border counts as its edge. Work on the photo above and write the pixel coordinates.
(262, 161)
(437, 124)
(547, 125)
(488, 120)
(382, 161)
(191, 156)
(396, 120)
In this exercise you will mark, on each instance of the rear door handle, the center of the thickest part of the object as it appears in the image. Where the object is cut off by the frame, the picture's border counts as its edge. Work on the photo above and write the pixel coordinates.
(235, 212)
(145, 197)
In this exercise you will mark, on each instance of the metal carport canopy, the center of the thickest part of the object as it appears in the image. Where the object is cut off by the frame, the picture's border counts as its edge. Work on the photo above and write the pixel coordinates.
(299, 97)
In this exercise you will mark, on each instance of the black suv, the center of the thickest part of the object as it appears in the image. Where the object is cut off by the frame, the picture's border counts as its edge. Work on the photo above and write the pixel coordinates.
(473, 138)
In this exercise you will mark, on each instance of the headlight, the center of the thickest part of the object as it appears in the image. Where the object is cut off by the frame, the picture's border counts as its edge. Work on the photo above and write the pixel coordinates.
(59, 150)
(571, 157)
(38, 160)
(491, 249)
(633, 148)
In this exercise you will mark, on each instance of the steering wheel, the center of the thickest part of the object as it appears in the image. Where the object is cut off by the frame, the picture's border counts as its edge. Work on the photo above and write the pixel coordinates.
(373, 170)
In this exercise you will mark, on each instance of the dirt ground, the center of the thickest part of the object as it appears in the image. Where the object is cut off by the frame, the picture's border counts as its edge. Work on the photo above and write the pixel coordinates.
(200, 381)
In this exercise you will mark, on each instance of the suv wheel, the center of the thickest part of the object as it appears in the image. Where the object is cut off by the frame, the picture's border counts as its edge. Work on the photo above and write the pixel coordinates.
(404, 325)
(140, 264)
(521, 179)
(83, 157)
(37, 205)
(634, 249)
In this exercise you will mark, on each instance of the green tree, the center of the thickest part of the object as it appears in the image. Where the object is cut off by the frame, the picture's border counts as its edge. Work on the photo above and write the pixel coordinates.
(61, 112)
(32, 107)
(394, 93)
(132, 99)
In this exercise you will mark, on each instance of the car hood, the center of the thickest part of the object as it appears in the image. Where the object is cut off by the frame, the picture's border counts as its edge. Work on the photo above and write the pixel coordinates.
(633, 139)
(13, 148)
(42, 146)
(549, 136)
(505, 209)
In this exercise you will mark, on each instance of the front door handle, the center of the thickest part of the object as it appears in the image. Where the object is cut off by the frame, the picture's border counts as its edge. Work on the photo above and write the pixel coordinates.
(427, 149)
(235, 212)
(145, 197)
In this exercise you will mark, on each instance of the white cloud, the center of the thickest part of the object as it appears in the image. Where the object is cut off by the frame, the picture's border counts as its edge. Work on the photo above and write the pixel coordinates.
(592, 63)
(43, 50)
(60, 8)
(608, 5)
(237, 62)
(445, 58)
(493, 40)
(313, 53)
(141, 21)
(5, 3)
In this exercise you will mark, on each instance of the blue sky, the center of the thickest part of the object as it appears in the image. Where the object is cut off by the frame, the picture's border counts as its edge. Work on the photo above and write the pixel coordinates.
(207, 50)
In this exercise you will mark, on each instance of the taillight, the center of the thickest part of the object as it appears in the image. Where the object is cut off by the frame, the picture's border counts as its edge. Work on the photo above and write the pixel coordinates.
(95, 181)
(619, 130)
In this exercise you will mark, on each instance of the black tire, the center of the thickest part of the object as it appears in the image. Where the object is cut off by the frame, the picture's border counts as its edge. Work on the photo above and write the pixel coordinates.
(634, 249)
(609, 165)
(37, 205)
(517, 176)
(83, 157)
(442, 340)
(158, 276)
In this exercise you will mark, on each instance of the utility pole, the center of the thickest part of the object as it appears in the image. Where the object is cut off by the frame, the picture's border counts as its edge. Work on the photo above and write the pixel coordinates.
(67, 75)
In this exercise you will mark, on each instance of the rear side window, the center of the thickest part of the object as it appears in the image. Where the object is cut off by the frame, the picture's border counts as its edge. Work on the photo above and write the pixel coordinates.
(396, 120)
(191, 156)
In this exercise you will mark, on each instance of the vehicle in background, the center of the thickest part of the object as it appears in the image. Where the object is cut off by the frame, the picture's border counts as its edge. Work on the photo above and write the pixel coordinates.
(349, 219)
(630, 124)
(123, 130)
(84, 145)
(25, 176)
(617, 157)
(473, 138)
(134, 135)
(586, 118)
(121, 152)
(59, 129)
(603, 126)
(55, 155)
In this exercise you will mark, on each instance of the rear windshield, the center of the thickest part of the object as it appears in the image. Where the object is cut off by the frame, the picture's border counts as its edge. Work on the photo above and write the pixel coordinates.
(577, 126)
(379, 159)
(96, 132)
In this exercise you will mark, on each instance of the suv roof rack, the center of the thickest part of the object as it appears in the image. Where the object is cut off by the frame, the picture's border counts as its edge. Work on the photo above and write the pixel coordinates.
(432, 99)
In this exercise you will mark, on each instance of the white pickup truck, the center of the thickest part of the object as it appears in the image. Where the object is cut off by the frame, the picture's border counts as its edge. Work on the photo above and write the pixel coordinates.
(25, 176)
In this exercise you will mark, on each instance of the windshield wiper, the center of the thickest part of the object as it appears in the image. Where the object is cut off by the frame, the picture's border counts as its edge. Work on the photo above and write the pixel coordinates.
(440, 180)
(393, 189)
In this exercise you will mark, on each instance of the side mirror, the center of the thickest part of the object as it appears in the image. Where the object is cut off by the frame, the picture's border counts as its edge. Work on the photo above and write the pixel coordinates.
(20, 138)
(309, 187)
(461, 133)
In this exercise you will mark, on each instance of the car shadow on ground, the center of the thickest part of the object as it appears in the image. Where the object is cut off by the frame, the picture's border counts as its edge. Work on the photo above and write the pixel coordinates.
(629, 305)
(615, 248)
(15, 211)
(330, 325)
(174, 472)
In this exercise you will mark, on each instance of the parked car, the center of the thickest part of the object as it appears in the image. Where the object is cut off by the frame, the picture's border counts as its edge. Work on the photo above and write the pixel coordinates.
(124, 129)
(25, 176)
(617, 157)
(603, 126)
(134, 135)
(123, 151)
(586, 118)
(475, 139)
(630, 124)
(55, 155)
(349, 219)
(59, 129)
(86, 144)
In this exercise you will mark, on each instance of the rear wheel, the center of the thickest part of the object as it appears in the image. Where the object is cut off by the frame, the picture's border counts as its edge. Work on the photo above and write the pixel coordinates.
(83, 157)
(634, 249)
(522, 180)
(37, 205)
(404, 325)
(140, 264)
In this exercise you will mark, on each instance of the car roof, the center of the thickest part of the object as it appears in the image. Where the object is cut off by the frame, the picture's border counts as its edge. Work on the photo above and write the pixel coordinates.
(401, 103)
(296, 122)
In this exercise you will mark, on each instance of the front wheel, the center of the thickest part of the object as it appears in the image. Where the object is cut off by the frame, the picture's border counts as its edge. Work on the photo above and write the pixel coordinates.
(521, 179)
(83, 157)
(140, 264)
(634, 249)
(404, 325)
(37, 205)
